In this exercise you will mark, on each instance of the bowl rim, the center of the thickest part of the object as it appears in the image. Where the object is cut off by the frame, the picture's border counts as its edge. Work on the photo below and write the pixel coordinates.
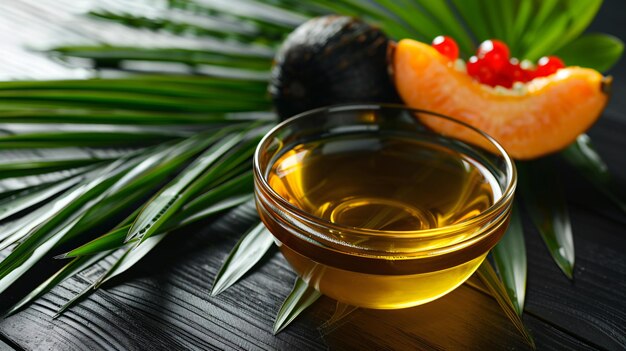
(491, 212)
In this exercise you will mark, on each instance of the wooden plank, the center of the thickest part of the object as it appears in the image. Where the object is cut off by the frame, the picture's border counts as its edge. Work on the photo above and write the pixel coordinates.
(464, 319)
(549, 337)
(608, 138)
(593, 306)
(5, 346)
(165, 303)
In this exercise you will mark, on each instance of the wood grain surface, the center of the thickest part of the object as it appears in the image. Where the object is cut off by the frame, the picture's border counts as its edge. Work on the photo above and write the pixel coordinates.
(164, 302)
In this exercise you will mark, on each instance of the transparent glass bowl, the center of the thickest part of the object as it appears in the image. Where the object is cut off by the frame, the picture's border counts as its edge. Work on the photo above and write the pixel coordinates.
(382, 269)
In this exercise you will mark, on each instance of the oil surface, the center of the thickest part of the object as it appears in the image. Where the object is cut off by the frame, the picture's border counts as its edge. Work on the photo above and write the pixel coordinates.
(388, 184)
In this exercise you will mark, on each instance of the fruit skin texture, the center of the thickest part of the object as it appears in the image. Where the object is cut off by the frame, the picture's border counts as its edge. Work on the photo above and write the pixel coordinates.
(330, 60)
(546, 118)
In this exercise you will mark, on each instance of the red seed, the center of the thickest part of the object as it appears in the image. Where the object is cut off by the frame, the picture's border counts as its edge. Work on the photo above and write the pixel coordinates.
(479, 71)
(495, 54)
(514, 72)
(446, 46)
(488, 77)
(530, 74)
(548, 65)
(504, 81)
(473, 66)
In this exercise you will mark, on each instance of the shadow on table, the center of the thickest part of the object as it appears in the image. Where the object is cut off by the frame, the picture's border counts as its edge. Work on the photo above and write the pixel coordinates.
(464, 319)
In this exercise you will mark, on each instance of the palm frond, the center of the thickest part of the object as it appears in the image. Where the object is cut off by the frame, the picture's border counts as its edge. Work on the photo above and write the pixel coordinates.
(582, 155)
(104, 243)
(33, 196)
(11, 187)
(488, 276)
(75, 266)
(184, 23)
(194, 178)
(245, 255)
(542, 193)
(43, 233)
(509, 256)
(299, 299)
(24, 168)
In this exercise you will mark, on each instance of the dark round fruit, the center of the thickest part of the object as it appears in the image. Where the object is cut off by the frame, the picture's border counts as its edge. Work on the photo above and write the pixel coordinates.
(330, 60)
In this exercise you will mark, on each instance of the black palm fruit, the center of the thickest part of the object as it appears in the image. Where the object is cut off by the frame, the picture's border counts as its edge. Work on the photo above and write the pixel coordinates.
(330, 60)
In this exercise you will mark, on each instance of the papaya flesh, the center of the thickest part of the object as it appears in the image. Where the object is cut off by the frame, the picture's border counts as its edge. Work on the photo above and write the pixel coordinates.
(544, 117)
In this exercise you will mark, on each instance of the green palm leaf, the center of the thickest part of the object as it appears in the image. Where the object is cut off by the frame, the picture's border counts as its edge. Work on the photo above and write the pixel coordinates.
(245, 255)
(190, 25)
(102, 247)
(75, 266)
(24, 168)
(587, 161)
(95, 139)
(130, 257)
(107, 242)
(488, 276)
(167, 86)
(172, 197)
(94, 99)
(598, 51)
(258, 60)
(509, 256)
(122, 117)
(33, 196)
(46, 231)
(116, 238)
(299, 299)
(545, 201)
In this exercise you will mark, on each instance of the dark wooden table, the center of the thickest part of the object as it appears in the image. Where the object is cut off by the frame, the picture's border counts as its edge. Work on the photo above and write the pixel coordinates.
(164, 303)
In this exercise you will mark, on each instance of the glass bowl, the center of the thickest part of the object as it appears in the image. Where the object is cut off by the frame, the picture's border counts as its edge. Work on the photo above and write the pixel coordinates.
(384, 267)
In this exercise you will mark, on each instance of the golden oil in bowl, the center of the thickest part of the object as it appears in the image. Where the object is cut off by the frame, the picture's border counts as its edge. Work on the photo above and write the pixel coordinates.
(383, 183)
(381, 217)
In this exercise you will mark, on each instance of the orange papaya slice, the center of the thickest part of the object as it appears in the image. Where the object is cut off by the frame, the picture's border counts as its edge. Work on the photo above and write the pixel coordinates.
(540, 117)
